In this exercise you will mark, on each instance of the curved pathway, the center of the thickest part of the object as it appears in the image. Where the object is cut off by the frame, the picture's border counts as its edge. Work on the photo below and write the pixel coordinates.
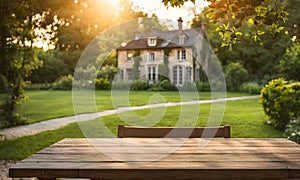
(31, 129)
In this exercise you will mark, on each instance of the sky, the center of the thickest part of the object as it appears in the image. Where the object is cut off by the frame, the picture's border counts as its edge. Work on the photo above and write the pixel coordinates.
(170, 13)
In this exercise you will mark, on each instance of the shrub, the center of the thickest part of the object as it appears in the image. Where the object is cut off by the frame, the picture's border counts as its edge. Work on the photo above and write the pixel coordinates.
(203, 86)
(281, 101)
(164, 85)
(188, 86)
(292, 131)
(120, 85)
(43, 86)
(251, 88)
(102, 84)
(140, 85)
(63, 83)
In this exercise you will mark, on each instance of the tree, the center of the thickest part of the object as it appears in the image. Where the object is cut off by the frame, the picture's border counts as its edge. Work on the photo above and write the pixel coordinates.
(266, 15)
(53, 67)
(235, 75)
(289, 64)
(18, 59)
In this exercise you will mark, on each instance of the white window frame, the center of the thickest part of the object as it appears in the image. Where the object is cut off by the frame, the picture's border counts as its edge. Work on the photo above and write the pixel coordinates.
(181, 55)
(152, 42)
(151, 56)
(152, 74)
(178, 75)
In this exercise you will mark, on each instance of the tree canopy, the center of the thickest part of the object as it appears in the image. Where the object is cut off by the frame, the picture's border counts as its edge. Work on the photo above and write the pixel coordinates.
(231, 15)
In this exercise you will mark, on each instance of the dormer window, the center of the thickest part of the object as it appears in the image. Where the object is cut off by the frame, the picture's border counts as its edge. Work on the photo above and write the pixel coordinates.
(129, 56)
(152, 42)
(181, 39)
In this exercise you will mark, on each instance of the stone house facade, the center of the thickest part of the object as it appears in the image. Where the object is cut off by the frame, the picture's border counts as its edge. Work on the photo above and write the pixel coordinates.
(173, 48)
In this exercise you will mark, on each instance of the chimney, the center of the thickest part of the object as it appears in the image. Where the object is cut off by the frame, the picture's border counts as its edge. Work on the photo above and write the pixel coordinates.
(180, 24)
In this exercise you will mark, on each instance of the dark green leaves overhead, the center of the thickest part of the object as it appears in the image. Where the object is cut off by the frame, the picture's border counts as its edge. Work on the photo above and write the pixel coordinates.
(231, 15)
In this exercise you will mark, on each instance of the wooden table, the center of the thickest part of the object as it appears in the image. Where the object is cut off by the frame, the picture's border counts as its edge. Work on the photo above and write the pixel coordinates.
(220, 159)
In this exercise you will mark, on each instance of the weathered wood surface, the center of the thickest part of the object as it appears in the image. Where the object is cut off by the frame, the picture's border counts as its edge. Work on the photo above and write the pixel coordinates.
(220, 158)
(173, 132)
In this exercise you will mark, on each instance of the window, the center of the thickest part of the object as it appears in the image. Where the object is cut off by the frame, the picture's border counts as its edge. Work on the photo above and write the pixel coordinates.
(181, 55)
(129, 74)
(177, 75)
(151, 57)
(151, 74)
(129, 56)
(188, 74)
(181, 39)
(152, 42)
(122, 74)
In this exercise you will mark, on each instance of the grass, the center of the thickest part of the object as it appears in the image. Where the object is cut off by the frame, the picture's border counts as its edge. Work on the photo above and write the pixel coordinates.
(44, 105)
(245, 117)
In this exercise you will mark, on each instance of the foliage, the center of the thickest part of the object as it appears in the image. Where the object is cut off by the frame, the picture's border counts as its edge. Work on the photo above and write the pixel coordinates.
(188, 86)
(102, 84)
(63, 83)
(203, 86)
(136, 64)
(281, 101)
(289, 64)
(292, 131)
(120, 85)
(140, 85)
(39, 86)
(164, 85)
(107, 72)
(163, 69)
(53, 67)
(250, 88)
(266, 16)
(235, 75)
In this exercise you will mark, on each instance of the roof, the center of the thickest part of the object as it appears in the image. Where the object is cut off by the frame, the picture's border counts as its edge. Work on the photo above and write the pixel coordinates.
(165, 39)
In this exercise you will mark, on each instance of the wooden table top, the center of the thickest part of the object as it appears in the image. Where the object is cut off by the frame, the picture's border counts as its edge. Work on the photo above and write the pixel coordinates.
(150, 158)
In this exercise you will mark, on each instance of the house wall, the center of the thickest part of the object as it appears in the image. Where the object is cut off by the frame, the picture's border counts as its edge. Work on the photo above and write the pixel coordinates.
(124, 64)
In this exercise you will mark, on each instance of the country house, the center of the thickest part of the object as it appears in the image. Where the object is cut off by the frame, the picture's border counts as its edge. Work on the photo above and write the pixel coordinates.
(175, 49)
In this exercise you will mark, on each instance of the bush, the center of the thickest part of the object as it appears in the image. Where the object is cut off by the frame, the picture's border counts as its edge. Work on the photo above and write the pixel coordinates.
(120, 85)
(102, 84)
(251, 88)
(43, 86)
(281, 101)
(164, 85)
(140, 85)
(292, 131)
(235, 75)
(188, 86)
(203, 86)
(63, 83)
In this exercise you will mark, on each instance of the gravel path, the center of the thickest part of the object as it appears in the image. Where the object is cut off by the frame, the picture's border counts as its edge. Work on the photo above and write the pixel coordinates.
(31, 129)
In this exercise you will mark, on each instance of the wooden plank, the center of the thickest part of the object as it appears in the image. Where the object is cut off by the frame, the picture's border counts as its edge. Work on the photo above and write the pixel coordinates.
(188, 150)
(186, 174)
(82, 157)
(173, 132)
(152, 165)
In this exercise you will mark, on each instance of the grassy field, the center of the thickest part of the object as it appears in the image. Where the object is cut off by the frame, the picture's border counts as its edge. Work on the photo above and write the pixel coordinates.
(43, 105)
(245, 117)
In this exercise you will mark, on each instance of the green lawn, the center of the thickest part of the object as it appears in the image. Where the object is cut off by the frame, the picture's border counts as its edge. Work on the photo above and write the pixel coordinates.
(43, 105)
(245, 117)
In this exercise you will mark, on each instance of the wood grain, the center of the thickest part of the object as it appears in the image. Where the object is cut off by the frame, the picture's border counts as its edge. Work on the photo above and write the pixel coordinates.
(232, 158)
